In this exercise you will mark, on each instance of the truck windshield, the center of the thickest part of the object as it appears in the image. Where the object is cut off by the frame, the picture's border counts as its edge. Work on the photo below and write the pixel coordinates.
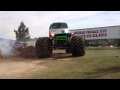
(58, 25)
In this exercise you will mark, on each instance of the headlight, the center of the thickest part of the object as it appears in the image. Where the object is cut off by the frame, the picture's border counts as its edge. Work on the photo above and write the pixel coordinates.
(66, 31)
(52, 35)
(72, 33)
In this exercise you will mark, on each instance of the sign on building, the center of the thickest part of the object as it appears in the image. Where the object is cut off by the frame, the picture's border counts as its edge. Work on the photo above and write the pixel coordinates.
(111, 32)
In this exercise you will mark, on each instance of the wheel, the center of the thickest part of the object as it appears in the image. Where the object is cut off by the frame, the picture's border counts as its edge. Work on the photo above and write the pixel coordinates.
(77, 46)
(42, 47)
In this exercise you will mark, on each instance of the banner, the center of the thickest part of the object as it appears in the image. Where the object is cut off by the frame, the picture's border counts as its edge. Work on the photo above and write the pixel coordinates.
(99, 33)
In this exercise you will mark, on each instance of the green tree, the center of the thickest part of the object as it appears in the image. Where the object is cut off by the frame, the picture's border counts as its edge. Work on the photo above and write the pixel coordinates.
(22, 34)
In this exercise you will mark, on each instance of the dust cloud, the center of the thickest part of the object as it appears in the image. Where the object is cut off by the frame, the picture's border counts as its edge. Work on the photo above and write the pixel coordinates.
(6, 48)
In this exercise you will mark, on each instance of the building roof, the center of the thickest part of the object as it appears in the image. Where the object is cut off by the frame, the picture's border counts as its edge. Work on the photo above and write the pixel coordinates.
(96, 27)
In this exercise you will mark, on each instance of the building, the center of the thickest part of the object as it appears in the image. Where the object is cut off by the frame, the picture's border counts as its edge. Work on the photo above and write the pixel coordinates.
(99, 35)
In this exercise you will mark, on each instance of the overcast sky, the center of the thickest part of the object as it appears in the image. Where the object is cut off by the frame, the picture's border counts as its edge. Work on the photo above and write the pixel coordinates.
(38, 21)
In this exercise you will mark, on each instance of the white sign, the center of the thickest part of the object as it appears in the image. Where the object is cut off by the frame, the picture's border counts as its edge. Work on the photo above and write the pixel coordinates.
(112, 32)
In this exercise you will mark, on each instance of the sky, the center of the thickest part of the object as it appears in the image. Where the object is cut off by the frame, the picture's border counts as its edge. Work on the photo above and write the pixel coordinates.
(38, 22)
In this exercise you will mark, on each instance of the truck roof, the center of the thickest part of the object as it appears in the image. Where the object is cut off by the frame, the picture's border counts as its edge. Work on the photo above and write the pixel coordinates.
(59, 22)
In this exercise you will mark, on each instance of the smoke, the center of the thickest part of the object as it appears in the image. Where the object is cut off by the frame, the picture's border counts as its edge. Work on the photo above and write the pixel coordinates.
(6, 47)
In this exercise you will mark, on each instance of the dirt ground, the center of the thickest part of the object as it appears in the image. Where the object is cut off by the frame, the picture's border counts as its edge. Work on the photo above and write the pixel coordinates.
(12, 69)
(18, 68)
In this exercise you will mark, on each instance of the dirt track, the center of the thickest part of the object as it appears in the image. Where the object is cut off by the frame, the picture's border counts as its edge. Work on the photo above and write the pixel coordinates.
(17, 68)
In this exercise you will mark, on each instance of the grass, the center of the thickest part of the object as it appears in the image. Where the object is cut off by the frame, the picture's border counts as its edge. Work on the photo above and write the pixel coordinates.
(96, 64)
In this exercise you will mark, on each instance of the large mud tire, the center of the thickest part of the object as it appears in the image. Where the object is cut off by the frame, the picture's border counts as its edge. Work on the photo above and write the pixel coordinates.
(42, 47)
(77, 46)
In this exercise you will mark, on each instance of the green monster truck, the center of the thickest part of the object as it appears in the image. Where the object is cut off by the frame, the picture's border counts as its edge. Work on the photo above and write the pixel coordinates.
(60, 38)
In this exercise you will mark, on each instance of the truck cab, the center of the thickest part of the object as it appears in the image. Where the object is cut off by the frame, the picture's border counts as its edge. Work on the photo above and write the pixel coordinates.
(59, 34)
(58, 28)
